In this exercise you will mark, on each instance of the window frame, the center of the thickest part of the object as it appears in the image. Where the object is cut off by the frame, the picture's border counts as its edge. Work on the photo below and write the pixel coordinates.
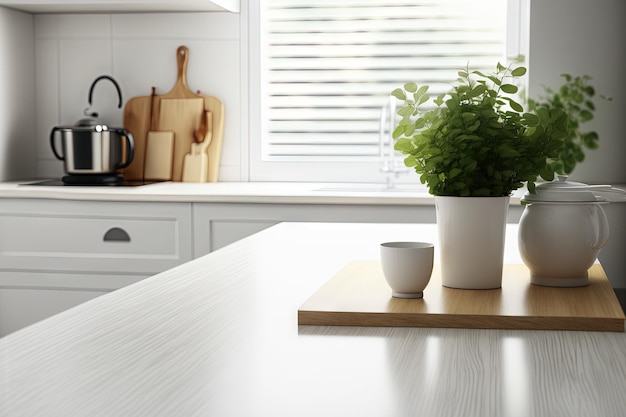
(255, 169)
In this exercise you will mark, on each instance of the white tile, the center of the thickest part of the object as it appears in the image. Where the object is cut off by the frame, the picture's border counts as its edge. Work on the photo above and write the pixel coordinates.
(80, 26)
(213, 67)
(50, 168)
(47, 93)
(229, 173)
(80, 63)
(141, 64)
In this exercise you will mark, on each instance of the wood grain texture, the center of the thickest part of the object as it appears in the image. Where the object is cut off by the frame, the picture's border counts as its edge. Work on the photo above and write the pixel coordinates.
(137, 115)
(159, 156)
(181, 116)
(218, 336)
(179, 110)
(359, 296)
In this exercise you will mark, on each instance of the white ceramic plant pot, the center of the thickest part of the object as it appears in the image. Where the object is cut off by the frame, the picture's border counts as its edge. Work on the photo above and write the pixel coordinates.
(561, 231)
(471, 240)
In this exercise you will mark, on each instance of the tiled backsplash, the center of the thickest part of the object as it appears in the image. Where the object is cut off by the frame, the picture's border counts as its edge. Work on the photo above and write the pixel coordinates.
(139, 52)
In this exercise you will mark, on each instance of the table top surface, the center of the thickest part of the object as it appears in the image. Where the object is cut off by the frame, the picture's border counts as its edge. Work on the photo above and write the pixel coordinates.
(218, 336)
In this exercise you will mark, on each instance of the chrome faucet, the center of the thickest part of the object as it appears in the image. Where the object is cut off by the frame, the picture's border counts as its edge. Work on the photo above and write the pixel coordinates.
(391, 161)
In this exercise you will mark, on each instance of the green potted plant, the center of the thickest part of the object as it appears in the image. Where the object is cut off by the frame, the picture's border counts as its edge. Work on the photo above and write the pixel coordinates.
(472, 150)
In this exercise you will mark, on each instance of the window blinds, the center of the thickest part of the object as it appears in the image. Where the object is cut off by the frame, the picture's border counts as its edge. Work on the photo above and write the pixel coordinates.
(330, 66)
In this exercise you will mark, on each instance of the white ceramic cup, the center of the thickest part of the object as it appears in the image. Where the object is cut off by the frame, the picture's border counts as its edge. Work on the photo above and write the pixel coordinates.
(407, 267)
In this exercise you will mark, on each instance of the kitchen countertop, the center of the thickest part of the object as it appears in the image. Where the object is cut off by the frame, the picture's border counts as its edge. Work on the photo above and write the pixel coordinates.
(235, 192)
(218, 336)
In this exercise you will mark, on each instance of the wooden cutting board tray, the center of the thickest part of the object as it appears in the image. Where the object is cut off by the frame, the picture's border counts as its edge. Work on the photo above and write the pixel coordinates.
(179, 112)
(359, 296)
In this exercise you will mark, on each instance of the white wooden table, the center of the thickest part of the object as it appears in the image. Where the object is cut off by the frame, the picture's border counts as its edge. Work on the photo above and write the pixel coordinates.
(218, 336)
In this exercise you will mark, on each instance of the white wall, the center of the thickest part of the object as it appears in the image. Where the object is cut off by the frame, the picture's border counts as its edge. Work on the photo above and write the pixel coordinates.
(585, 37)
(17, 95)
(138, 51)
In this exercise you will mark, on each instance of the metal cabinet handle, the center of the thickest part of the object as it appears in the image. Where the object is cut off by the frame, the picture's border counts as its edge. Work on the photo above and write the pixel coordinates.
(116, 234)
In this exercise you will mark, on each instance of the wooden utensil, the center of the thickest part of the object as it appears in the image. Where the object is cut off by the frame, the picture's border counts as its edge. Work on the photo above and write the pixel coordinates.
(179, 117)
(196, 163)
(159, 156)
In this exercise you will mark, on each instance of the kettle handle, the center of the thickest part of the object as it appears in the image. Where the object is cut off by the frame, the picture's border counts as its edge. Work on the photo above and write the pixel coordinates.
(130, 147)
(52, 145)
(602, 228)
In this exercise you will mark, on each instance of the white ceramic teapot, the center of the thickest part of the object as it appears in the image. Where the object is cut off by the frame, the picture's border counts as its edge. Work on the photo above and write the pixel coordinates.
(561, 231)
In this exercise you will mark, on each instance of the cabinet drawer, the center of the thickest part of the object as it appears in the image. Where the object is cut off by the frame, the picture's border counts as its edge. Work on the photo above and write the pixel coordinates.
(89, 236)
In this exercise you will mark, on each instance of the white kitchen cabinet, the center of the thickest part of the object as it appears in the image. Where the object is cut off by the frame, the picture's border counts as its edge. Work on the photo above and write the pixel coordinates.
(62, 246)
(127, 6)
(219, 224)
(66, 251)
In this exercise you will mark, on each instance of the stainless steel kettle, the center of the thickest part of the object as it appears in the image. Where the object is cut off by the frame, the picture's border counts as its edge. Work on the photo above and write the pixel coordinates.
(92, 147)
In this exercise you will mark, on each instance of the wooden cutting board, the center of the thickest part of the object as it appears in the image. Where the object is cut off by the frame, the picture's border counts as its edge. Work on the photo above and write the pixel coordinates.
(159, 156)
(359, 296)
(180, 111)
(181, 116)
(137, 121)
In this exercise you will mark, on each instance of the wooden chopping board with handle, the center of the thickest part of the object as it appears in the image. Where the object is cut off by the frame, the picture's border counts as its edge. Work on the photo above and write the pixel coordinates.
(179, 111)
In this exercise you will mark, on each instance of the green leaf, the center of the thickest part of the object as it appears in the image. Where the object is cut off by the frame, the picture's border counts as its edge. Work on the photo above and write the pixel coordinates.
(422, 90)
(482, 192)
(477, 91)
(518, 72)
(398, 131)
(454, 172)
(405, 111)
(410, 87)
(410, 161)
(399, 94)
(547, 173)
(509, 88)
(531, 119)
(423, 99)
(495, 80)
(554, 145)
(585, 116)
(508, 152)
(515, 105)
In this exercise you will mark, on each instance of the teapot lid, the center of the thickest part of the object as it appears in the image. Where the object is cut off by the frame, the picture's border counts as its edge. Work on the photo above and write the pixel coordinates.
(562, 190)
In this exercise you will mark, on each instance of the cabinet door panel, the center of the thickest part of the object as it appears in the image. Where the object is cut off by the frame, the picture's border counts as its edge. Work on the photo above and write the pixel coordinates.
(219, 224)
(225, 232)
